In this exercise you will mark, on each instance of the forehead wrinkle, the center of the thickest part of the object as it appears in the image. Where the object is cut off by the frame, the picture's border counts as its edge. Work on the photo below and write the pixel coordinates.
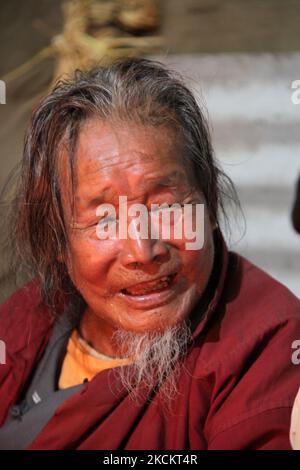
(139, 188)
(101, 162)
(121, 160)
(108, 154)
(140, 175)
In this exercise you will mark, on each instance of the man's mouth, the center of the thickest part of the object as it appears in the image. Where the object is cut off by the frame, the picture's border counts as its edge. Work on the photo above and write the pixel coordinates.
(150, 287)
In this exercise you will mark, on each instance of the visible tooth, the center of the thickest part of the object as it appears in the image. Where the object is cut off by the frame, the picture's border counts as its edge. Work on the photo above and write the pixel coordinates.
(153, 286)
(158, 286)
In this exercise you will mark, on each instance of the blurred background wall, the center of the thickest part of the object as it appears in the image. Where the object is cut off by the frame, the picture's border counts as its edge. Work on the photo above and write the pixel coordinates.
(240, 57)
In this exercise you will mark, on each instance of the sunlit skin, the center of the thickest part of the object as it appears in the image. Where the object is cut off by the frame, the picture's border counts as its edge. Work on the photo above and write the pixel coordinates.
(146, 165)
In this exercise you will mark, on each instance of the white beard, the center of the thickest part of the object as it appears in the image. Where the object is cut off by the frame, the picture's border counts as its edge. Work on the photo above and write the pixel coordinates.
(157, 359)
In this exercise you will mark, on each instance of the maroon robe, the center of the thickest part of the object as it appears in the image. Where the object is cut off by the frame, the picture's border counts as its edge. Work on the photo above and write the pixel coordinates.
(236, 390)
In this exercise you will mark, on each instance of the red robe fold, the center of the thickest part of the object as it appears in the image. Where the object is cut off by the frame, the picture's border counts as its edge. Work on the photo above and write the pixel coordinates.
(236, 390)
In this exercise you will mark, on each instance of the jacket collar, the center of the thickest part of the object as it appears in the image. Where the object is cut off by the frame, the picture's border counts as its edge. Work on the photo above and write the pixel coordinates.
(206, 306)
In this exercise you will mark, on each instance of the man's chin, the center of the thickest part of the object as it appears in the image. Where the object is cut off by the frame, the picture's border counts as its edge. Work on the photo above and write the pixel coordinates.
(158, 314)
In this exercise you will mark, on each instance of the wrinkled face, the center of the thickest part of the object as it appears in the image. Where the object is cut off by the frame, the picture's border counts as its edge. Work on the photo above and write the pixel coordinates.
(136, 284)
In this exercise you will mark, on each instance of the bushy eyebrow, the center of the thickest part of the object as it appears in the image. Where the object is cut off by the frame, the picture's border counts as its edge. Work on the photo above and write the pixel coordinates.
(170, 180)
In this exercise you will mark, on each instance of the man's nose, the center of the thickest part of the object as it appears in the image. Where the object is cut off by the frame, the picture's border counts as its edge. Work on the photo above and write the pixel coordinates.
(141, 251)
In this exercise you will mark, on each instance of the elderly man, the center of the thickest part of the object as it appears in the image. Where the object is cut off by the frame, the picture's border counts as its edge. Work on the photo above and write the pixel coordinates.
(131, 338)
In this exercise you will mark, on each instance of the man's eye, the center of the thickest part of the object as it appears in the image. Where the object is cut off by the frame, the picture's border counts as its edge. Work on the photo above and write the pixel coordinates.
(106, 220)
(166, 206)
